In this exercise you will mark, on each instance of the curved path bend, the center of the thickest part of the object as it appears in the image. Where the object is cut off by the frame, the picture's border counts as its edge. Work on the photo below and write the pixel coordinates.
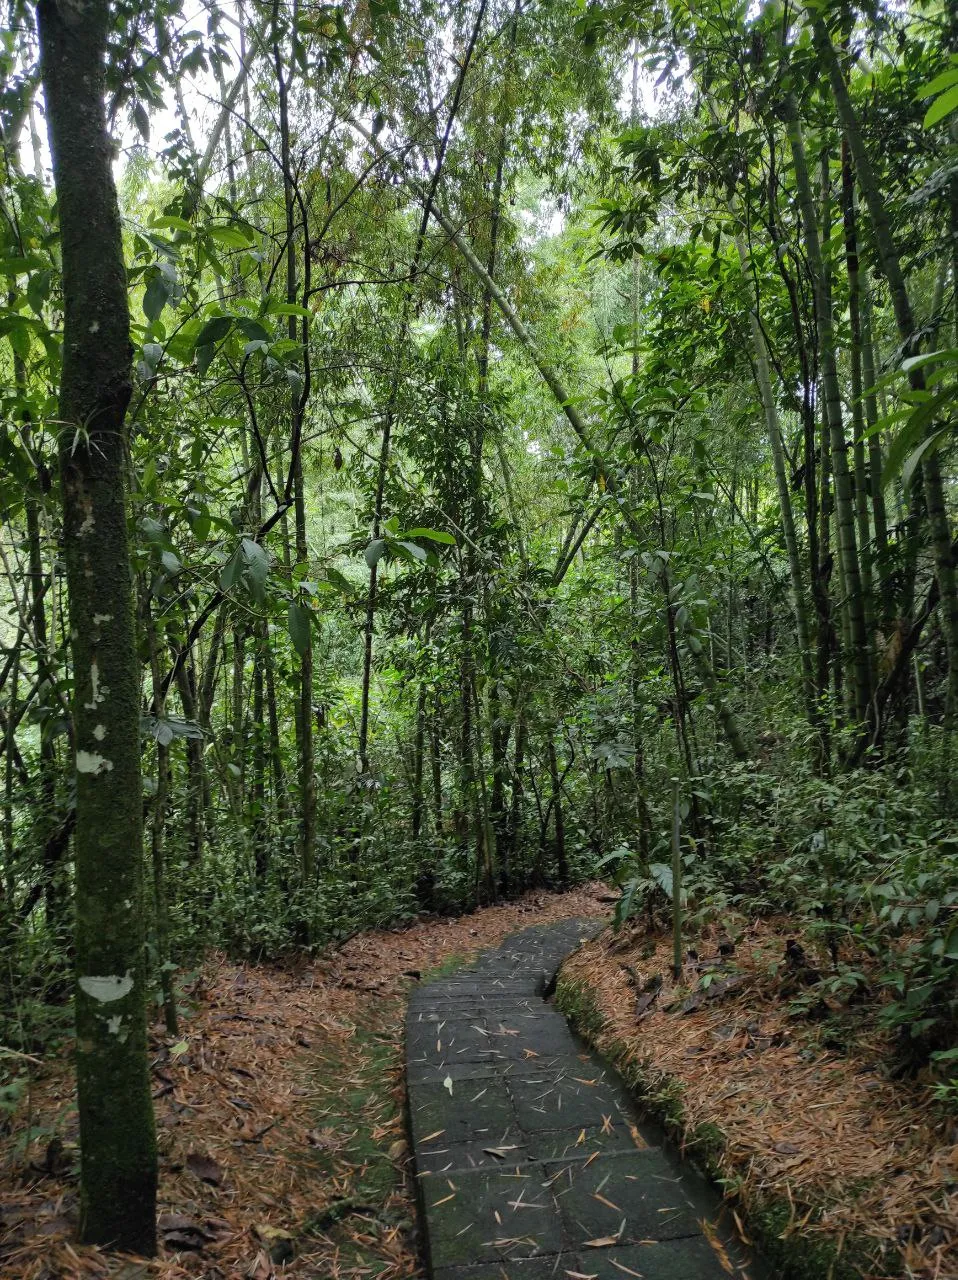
(530, 1162)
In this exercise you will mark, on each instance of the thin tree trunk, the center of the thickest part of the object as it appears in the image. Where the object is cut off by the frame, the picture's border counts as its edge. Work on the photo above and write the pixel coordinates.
(907, 331)
(304, 717)
(238, 709)
(863, 523)
(773, 428)
(419, 748)
(558, 818)
(277, 772)
(831, 391)
(45, 810)
(196, 782)
(257, 789)
(161, 911)
(9, 829)
(486, 842)
(515, 806)
(876, 492)
(435, 760)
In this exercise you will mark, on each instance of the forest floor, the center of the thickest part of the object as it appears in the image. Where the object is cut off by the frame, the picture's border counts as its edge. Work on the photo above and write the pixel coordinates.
(280, 1108)
(279, 1118)
(790, 1099)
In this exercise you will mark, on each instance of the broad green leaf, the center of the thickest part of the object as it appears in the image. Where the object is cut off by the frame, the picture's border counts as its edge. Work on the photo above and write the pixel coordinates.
(174, 224)
(230, 572)
(339, 581)
(141, 119)
(231, 237)
(38, 290)
(288, 309)
(948, 354)
(152, 530)
(214, 331)
(257, 564)
(375, 551)
(931, 445)
(253, 330)
(155, 297)
(299, 620)
(18, 266)
(910, 435)
(939, 84)
(941, 107)
(435, 535)
(417, 552)
(661, 873)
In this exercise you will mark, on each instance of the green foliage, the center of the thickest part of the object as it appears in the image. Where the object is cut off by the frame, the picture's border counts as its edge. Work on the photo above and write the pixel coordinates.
(562, 620)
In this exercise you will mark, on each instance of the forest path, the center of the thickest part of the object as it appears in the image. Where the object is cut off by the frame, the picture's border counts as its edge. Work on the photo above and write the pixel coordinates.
(529, 1161)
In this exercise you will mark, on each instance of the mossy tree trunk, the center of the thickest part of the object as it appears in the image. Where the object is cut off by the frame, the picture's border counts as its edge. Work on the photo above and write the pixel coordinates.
(117, 1140)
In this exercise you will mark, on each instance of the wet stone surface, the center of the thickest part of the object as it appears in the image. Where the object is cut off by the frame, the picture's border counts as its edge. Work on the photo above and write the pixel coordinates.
(529, 1164)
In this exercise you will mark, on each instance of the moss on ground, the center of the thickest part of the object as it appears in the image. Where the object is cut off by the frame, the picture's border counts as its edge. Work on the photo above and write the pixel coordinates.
(359, 1147)
(446, 967)
(769, 1220)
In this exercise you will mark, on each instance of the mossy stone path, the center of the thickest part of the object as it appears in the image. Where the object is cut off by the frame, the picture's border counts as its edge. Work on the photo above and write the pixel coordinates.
(529, 1161)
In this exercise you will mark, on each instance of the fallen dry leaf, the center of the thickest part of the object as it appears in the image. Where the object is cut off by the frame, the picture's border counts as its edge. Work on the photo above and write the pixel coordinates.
(205, 1168)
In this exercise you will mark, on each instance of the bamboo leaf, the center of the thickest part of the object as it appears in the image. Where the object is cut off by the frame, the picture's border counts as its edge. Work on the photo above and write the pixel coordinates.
(941, 107)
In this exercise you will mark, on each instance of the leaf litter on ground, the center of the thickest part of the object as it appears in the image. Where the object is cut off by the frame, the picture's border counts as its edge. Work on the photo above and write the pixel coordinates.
(279, 1118)
(821, 1128)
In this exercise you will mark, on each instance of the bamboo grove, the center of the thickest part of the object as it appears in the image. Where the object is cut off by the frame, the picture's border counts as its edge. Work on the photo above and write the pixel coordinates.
(501, 411)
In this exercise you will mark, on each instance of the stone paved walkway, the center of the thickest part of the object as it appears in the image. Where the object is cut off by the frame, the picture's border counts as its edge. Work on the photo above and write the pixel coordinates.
(529, 1163)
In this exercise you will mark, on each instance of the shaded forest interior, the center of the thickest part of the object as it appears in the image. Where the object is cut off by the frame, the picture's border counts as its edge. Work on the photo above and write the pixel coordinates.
(449, 450)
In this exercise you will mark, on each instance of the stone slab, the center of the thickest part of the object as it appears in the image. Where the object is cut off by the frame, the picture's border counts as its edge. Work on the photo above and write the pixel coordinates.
(481, 1110)
(634, 1195)
(579, 1144)
(688, 1259)
(490, 1217)
(553, 1268)
(529, 1164)
(562, 1099)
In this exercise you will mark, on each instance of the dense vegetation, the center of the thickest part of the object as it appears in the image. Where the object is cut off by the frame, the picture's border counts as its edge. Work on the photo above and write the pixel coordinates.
(529, 405)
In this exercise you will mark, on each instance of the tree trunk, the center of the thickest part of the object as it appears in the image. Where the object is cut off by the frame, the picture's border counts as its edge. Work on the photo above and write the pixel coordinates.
(558, 817)
(196, 783)
(118, 1169)
(257, 792)
(863, 523)
(882, 578)
(831, 393)
(54, 874)
(161, 911)
(8, 880)
(907, 332)
(435, 760)
(292, 207)
(419, 747)
(773, 427)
